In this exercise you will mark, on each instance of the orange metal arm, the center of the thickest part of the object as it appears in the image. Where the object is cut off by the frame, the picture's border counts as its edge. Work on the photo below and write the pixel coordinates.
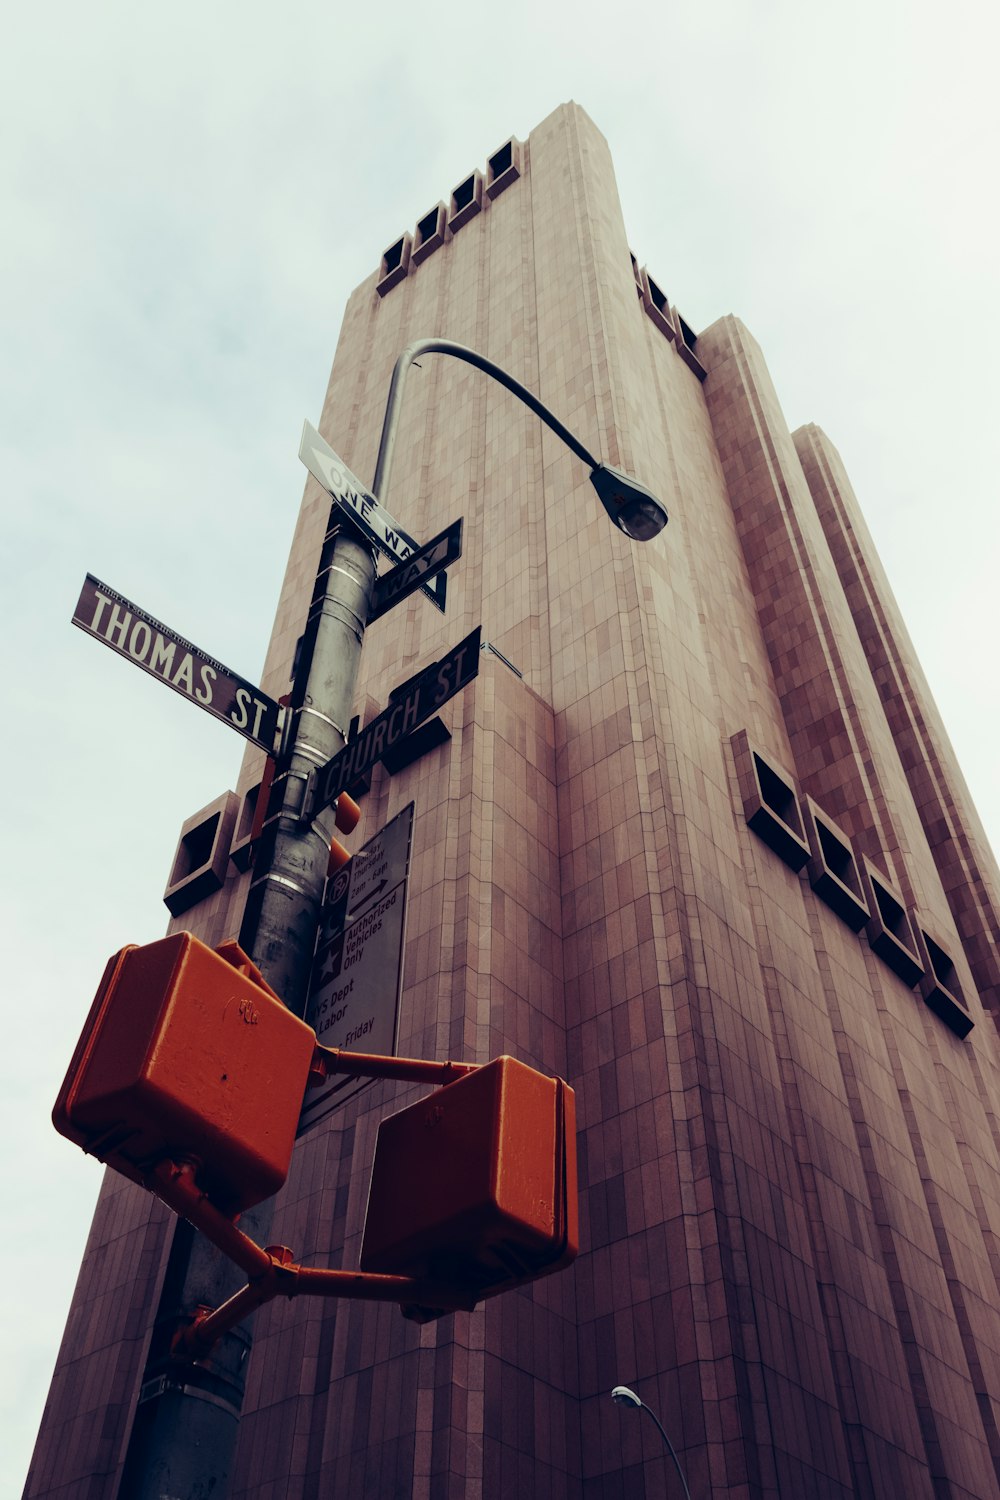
(174, 1182)
(272, 1272)
(286, 1279)
(328, 1061)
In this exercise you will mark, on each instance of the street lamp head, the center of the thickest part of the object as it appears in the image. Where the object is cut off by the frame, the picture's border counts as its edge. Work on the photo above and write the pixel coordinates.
(624, 1397)
(634, 509)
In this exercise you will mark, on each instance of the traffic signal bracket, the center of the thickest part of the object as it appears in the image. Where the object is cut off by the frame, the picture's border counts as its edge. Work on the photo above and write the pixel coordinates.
(189, 1078)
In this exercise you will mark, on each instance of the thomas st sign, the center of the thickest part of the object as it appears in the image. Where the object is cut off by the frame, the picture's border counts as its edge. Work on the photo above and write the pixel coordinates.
(351, 497)
(417, 701)
(151, 645)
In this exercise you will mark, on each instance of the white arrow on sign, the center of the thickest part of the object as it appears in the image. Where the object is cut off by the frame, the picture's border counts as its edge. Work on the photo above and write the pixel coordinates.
(350, 494)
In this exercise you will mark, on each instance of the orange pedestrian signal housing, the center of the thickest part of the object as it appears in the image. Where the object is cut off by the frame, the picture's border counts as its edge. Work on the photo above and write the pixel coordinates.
(188, 1056)
(346, 816)
(189, 1079)
(476, 1184)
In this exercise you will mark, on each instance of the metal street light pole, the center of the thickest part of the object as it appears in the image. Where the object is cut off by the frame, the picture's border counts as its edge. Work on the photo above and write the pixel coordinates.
(184, 1431)
(622, 1396)
(633, 509)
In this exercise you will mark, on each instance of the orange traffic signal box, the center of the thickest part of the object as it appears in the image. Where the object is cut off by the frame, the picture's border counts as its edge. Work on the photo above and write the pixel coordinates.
(476, 1184)
(187, 1056)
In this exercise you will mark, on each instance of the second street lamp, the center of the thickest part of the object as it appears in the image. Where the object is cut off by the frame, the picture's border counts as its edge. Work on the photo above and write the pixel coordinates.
(623, 1396)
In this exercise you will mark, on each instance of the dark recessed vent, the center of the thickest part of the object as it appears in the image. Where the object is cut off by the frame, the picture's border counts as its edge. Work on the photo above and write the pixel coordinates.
(466, 201)
(656, 304)
(889, 932)
(685, 347)
(690, 338)
(394, 265)
(833, 870)
(941, 987)
(501, 161)
(503, 168)
(770, 802)
(202, 855)
(430, 234)
(658, 298)
(241, 853)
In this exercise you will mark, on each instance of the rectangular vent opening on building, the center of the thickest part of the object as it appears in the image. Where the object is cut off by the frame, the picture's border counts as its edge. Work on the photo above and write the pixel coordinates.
(466, 201)
(503, 168)
(394, 265)
(941, 988)
(429, 234)
(770, 803)
(833, 870)
(889, 932)
(195, 849)
(941, 966)
(501, 160)
(202, 857)
(685, 346)
(658, 298)
(656, 304)
(893, 915)
(777, 794)
(839, 859)
(241, 854)
(392, 258)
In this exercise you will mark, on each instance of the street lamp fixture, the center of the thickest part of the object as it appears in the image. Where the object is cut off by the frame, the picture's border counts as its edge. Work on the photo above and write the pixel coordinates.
(622, 1396)
(633, 509)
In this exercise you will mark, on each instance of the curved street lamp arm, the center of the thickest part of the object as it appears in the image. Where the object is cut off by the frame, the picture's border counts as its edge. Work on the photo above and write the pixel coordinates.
(673, 1453)
(458, 351)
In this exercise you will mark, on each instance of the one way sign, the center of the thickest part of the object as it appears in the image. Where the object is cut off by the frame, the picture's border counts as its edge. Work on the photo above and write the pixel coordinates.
(351, 497)
(405, 577)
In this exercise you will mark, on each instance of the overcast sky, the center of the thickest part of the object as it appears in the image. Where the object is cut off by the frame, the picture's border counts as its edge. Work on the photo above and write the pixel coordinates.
(189, 194)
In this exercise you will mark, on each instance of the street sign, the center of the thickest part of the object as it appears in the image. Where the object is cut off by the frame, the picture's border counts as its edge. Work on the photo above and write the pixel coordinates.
(418, 700)
(400, 581)
(160, 651)
(350, 495)
(358, 969)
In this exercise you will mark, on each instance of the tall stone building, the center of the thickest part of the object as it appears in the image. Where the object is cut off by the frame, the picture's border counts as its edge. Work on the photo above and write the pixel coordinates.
(697, 842)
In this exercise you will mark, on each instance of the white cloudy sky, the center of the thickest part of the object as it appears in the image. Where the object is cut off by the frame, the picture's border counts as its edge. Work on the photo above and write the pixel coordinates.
(188, 195)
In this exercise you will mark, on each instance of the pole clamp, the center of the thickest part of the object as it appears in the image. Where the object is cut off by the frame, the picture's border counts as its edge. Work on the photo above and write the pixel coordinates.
(297, 794)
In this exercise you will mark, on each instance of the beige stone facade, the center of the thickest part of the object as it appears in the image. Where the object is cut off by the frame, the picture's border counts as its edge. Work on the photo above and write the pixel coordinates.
(789, 1139)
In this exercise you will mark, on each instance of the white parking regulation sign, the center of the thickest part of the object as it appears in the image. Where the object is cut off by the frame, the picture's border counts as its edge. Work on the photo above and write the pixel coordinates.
(358, 969)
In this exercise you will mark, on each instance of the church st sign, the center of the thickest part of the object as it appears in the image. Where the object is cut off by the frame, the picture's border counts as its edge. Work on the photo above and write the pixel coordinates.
(421, 697)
